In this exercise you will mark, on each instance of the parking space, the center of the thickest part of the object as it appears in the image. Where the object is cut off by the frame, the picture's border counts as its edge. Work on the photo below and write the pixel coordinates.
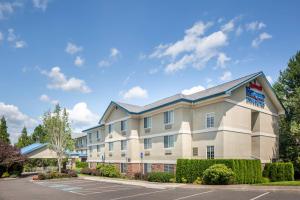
(78, 189)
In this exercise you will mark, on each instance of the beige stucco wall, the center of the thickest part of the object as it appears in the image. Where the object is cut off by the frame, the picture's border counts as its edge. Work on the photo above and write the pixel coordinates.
(44, 152)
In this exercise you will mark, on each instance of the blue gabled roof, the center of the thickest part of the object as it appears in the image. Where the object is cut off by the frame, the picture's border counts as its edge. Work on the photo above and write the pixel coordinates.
(30, 148)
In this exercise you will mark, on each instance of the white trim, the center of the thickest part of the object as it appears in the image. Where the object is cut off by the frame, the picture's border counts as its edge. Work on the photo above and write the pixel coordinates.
(251, 108)
(118, 120)
(173, 117)
(264, 134)
(206, 115)
(163, 134)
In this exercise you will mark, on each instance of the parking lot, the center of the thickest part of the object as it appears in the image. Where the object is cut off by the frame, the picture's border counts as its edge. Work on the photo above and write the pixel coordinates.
(89, 189)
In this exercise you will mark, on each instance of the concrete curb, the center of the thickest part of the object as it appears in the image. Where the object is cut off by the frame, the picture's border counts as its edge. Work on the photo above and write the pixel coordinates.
(133, 182)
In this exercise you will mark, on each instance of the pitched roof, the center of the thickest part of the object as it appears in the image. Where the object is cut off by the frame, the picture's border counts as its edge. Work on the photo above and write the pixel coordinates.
(30, 148)
(204, 94)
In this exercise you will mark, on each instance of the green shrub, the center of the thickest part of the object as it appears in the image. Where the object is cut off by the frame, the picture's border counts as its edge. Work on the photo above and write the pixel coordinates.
(5, 175)
(218, 174)
(266, 171)
(163, 177)
(265, 180)
(198, 181)
(246, 171)
(80, 164)
(280, 171)
(108, 170)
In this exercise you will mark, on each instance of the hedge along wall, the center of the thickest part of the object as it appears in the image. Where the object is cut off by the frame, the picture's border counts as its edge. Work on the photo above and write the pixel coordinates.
(246, 171)
(279, 171)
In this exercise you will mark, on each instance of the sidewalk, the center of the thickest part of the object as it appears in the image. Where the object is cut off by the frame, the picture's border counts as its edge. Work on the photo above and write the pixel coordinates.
(132, 182)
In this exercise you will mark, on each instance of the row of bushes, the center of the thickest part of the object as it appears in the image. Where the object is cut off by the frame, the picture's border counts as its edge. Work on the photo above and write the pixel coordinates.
(279, 171)
(246, 171)
(52, 175)
(80, 164)
(12, 171)
(106, 170)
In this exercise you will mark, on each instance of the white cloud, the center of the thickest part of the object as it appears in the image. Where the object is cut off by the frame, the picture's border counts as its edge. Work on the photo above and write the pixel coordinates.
(40, 4)
(195, 49)
(73, 48)
(135, 93)
(222, 59)
(270, 79)
(263, 36)
(113, 57)
(47, 99)
(78, 61)
(226, 76)
(114, 52)
(15, 40)
(254, 26)
(16, 120)
(82, 117)
(60, 81)
(193, 90)
(228, 26)
(8, 8)
(153, 71)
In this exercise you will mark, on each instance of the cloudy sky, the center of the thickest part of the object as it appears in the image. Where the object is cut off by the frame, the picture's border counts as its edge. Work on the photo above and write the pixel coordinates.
(83, 55)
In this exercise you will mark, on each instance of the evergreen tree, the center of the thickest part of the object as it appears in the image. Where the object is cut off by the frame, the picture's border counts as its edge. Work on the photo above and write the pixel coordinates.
(287, 89)
(24, 140)
(39, 134)
(4, 135)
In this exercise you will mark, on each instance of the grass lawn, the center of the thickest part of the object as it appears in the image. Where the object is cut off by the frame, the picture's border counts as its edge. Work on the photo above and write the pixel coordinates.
(282, 183)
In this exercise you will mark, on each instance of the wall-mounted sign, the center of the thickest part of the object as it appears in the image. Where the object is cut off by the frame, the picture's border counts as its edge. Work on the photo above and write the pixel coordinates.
(254, 95)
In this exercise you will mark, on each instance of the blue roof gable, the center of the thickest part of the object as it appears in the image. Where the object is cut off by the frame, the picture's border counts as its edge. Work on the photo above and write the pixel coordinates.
(30, 148)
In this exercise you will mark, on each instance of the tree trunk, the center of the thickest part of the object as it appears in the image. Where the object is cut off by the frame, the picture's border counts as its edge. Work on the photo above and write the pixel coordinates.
(59, 164)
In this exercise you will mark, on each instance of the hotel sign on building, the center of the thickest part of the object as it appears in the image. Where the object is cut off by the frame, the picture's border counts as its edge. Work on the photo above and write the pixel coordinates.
(254, 94)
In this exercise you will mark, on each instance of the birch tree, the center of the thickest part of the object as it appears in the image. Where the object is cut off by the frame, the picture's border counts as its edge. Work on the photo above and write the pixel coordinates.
(57, 126)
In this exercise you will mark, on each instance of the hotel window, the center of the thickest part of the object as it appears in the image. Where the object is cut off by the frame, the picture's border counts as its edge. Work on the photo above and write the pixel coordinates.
(110, 146)
(169, 141)
(210, 152)
(98, 136)
(147, 122)
(147, 143)
(123, 145)
(90, 149)
(123, 167)
(124, 125)
(195, 151)
(109, 128)
(168, 168)
(98, 148)
(147, 168)
(169, 117)
(210, 120)
(90, 137)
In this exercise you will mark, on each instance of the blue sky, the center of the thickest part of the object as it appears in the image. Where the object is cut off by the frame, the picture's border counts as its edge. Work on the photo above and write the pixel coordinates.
(83, 55)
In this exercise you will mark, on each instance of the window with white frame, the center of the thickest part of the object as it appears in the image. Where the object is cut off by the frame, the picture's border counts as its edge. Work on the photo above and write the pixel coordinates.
(98, 148)
(98, 136)
(147, 122)
(147, 143)
(109, 128)
(169, 168)
(210, 120)
(110, 146)
(169, 117)
(123, 145)
(147, 168)
(169, 141)
(123, 167)
(210, 152)
(124, 125)
(90, 137)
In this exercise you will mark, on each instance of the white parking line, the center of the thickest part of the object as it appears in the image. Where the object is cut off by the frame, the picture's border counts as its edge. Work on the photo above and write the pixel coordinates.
(185, 197)
(260, 196)
(141, 194)
(95, 188)
(122, 189)
(77, 193)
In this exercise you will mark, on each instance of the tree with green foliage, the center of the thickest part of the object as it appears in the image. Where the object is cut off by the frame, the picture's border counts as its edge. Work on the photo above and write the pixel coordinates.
(24, 140)
(57, 127)
(39, 134)
(4, 135)
(287, 89)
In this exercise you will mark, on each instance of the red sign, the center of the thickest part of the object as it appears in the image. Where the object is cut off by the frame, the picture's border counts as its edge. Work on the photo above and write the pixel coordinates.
(255, 86)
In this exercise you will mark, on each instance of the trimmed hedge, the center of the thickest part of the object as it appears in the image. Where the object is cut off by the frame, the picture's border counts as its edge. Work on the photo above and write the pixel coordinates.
(279, 171)
(80, 164)
(218, 174)
(162, 177)
(246, 171)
